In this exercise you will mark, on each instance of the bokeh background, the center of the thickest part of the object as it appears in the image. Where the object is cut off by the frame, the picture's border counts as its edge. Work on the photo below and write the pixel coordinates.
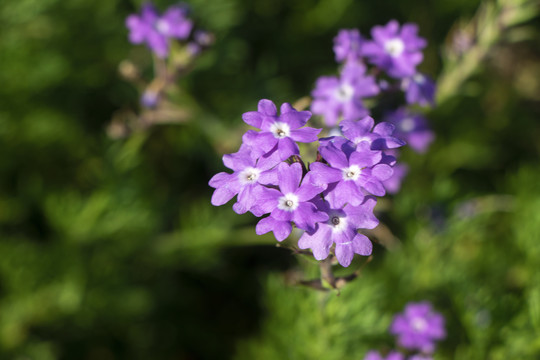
(110, 249)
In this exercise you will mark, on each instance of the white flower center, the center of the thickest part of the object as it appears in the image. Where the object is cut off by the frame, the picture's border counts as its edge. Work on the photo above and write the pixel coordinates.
(418, 324)
(249, 175)
(359, 139)
(288, 202)
(344, 93)
(406, 125)
(280, 129)
(162, 26)
(337, 222)
(419, 78)
(351, 173)
(394, 47)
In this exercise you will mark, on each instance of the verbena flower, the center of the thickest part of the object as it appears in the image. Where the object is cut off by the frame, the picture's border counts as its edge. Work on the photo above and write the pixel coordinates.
(419, 89)
(392, 355)
(341, 230)
(348, 45)
(155, 30)
(393, 183)
(291, 203)
(419, 327)
(351, 173)
(341, 98)
(413, 128)
(278, 132)
(250, 173)
(395, 50)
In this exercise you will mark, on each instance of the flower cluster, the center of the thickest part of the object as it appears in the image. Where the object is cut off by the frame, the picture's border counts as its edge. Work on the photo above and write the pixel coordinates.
(379, 69)
(157, 30)
(417, 329)
(176, 42)
(330, 200)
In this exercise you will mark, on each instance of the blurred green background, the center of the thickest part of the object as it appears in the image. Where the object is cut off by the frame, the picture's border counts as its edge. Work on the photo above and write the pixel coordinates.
(110, 249)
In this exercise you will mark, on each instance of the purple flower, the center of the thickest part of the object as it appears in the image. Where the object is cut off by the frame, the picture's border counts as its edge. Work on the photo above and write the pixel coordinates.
(336, 98)
(393, 184)
(413, 128)
(246, 181)
(290, 203)
(351, 173)
(155, 30)
(418, 327)
(278, 132)
(392, 355)
(420, 357)
(395, 50)
(348, 45)
(419, 89)
(150, 98)
(379, 137)
(341, 229)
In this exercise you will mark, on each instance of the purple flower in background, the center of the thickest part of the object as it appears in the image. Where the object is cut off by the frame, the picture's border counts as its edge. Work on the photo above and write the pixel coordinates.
(290, 203)
(249, 174)
(150, 98)
(156, 30)
(341, 229)
(395, 50)
(418, 327)
(419, 89)
(379, 137)
(336, 98)
(351, 174)
(392, 355)
(348, 45)
(278, 132)
(393, 184)
(413, 128)
(420, 357)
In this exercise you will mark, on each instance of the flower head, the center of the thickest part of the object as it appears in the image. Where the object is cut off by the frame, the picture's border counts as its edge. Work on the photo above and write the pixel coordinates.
(395, 50)
(418, 327)
(348, 45)
(341, 229)
(155, 30)
(335, 98)
(278, 132)
(419, 89)
(413, 128)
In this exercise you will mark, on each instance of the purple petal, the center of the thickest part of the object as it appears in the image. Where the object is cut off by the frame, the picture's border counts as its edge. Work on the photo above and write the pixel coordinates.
(281, 229)
(323, 174)
(335, 157)
(305, 135)
(289, 177)
(267, 107)
(287, 147)
(253, 118)
(318, 241)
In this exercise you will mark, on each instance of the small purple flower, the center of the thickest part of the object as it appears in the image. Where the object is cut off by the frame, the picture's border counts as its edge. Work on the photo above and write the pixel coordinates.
(246, 181)
(348, 45)
(290, 203)
(393, 184)
(351, 174)
(420, 357)
(413, 128)
(155, 30)
(336, 98)
(419, 327)
(278, 133)
(341, 229)
(419, 89)
(379, 137)
(392, 355)
(150, 98)
(395, 50)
